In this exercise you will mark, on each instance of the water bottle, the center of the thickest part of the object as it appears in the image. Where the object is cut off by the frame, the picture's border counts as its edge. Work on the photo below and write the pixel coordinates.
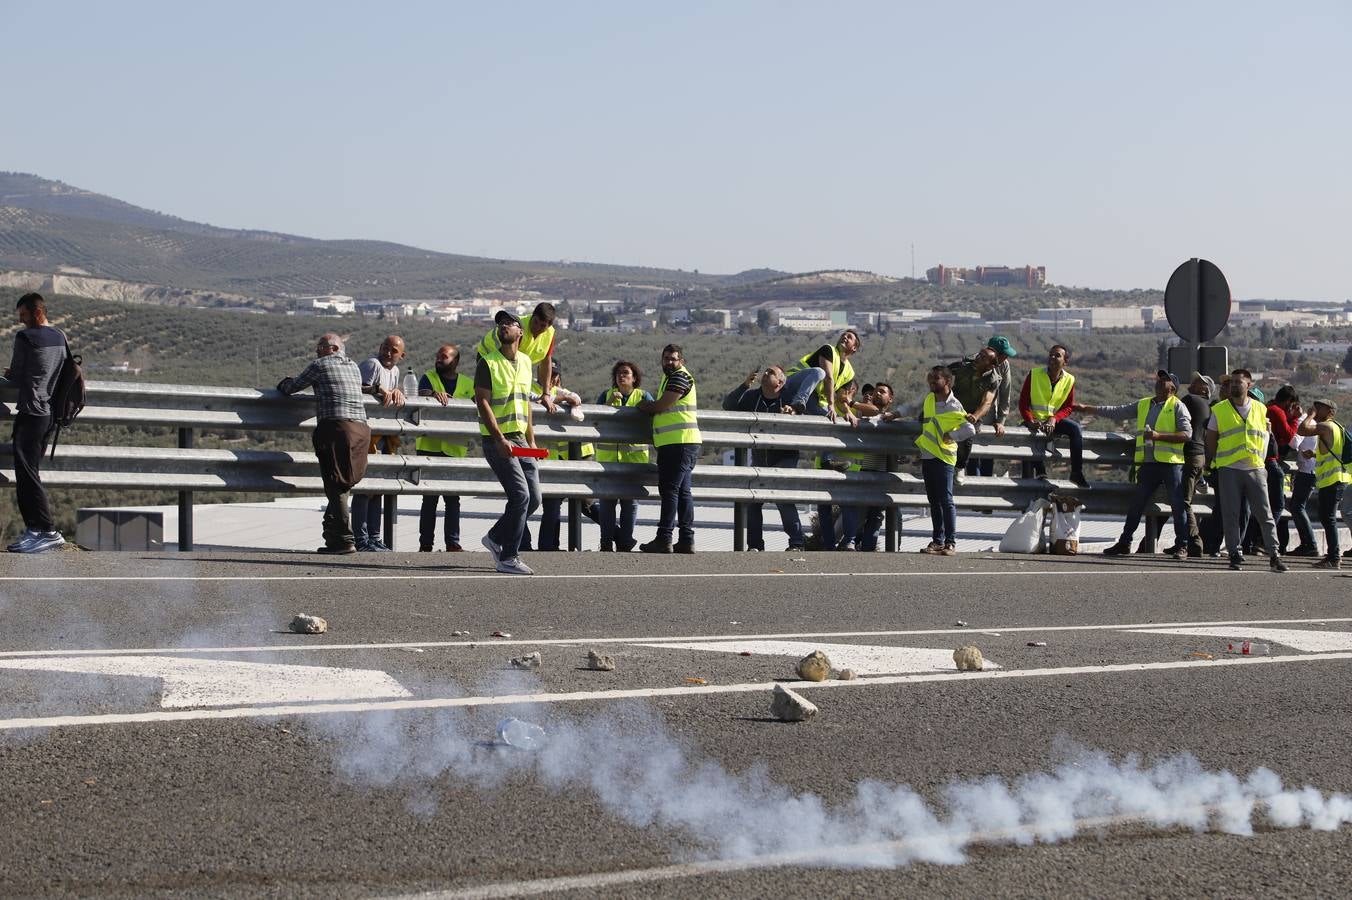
(521, 735)
(1248, 648)
(410, 385)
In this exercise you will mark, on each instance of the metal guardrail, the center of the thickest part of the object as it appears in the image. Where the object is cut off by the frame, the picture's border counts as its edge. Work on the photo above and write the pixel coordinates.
(191, 408)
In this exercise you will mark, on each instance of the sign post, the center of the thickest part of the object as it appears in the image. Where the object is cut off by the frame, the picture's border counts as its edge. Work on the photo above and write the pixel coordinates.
(1197, 305)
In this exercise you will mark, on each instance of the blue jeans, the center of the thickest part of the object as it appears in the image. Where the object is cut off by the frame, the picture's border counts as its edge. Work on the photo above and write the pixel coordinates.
(551, 512)
(1302, 486)
(427, 519)
(675, 465)
(788, 512)
(618, 531)
(520, 480)
(868, 531)
(801, 390)
(1329, 499)
(826, 526)
(366, 509)
(938, 477)
(1148, 478)
(1071, 430)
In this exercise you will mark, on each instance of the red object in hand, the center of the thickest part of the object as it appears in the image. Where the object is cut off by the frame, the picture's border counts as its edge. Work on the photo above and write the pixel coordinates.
(529, 452)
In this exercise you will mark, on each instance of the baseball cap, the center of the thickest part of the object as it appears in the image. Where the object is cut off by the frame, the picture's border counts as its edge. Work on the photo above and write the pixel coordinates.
(1322, 401)
(1001, 344)
(1206, 380)
(504, 316)
(1257, 394)
(1169, 375)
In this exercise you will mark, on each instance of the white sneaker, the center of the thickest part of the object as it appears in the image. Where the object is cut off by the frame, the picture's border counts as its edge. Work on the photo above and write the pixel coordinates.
(494, 548)
(514, 566)
(47, 540)
(27, 536)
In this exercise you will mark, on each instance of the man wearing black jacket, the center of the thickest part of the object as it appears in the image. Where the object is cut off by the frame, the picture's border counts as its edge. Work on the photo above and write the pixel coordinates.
(39, 352)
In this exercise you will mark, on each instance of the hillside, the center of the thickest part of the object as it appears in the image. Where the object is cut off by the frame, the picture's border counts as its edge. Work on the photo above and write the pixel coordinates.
(47, 227)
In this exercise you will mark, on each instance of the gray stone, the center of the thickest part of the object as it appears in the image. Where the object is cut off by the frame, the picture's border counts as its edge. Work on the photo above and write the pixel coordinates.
(304, 624)
(846, 675)
(814, 667)
(530, 661)
(788, 706)
(599, 663)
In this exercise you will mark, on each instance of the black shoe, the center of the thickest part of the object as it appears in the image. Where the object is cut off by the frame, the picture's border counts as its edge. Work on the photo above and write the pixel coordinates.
(1194, 551)
(684, 547)
(1305, 550)
(425, 548)
(656, 545)
(1275, 563)
(625, 546)
(1236, 561)
(1121, 548)
(337, 549)
(607, 547)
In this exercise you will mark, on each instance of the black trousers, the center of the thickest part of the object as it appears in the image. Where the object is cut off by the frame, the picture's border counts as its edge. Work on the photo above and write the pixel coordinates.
(30, 442)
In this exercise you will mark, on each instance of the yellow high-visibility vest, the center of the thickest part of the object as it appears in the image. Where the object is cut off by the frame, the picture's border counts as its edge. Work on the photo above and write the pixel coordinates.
(1167, 420)
(510, 397)
(464, 390)
(1044, 398)
(844, 372)
(1328, 464)
(630, 453)
(934, 427)
(678, 425)
(1237, 438)
(536, 347)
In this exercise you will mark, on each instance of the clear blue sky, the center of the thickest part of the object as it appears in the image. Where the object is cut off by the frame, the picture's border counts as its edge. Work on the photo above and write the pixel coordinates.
(1108, 143)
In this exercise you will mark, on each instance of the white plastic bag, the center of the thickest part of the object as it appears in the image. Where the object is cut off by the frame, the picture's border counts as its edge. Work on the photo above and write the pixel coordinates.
(1065, 524)
(1025, 534)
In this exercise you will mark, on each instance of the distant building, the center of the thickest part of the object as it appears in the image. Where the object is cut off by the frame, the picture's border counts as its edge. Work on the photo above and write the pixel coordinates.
(334, 304)
(1025, 276)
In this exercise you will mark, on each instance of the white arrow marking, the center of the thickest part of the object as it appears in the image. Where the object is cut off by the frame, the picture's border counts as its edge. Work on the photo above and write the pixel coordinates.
(1307, 641)
(863, 658)
(190, 682)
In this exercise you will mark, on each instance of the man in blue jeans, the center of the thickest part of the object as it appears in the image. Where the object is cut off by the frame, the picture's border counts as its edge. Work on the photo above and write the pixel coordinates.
(502, 383)
(1163, 427)
(769, 398)
(677, 439)
(814, 379)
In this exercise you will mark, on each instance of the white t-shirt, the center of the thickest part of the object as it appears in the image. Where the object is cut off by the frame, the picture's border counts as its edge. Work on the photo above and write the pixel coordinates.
(1301, 443)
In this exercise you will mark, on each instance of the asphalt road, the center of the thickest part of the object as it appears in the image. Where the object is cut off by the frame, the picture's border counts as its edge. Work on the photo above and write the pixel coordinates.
(158, 739)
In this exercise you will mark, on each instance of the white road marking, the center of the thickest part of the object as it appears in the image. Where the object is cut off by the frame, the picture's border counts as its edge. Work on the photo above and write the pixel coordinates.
(1308, 641)
(824, 856)
(659, 639)
(865, 659)
(211, 682)
(636, 693)
(1078, 572)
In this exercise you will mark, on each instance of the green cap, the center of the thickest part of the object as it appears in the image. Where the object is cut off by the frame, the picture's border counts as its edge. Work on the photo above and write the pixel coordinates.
(1001, 344)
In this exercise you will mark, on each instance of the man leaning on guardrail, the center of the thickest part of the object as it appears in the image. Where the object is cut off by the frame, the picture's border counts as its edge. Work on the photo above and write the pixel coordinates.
(341, 437)
(677, 439)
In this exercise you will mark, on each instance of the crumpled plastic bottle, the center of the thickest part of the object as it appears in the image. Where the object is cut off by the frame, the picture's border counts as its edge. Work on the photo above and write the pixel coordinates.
(522, 735)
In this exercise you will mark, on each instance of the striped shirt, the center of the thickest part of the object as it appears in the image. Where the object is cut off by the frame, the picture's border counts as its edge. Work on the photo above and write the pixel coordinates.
(337, 387)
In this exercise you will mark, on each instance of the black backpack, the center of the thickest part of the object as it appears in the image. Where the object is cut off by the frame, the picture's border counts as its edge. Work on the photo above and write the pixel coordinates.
(1346, 456)
(68, 395)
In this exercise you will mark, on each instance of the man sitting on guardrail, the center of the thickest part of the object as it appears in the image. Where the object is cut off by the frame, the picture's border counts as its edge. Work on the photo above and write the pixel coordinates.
(677, 439)
(976, 381)
(1163, 425)
(341, 437)
(1045, 403)
(814, 379)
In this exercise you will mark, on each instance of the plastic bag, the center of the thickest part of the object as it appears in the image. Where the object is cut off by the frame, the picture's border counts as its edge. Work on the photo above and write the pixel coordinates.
(1065, 524)
(1025, 534)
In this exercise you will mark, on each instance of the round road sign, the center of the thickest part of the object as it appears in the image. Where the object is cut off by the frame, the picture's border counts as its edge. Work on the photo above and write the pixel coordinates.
(1197, 301)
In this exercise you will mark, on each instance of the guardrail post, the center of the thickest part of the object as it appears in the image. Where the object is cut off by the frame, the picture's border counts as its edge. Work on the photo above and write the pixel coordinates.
(890, 515)
(185, 442)
(574, 506)
(391, 512)
(740, 457)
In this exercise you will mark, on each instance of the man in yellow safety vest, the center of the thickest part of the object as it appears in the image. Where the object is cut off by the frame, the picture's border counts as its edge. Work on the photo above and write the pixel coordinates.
(1236, 445)
(1331, 475)
(442, 382)
(677, 439)
(1163, 425)
(944, 425)
(502, 380)
(1045, 404)
(814, 379)
(537, 341)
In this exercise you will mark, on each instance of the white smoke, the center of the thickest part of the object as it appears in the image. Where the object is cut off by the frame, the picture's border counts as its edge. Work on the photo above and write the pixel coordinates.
(632, 765)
